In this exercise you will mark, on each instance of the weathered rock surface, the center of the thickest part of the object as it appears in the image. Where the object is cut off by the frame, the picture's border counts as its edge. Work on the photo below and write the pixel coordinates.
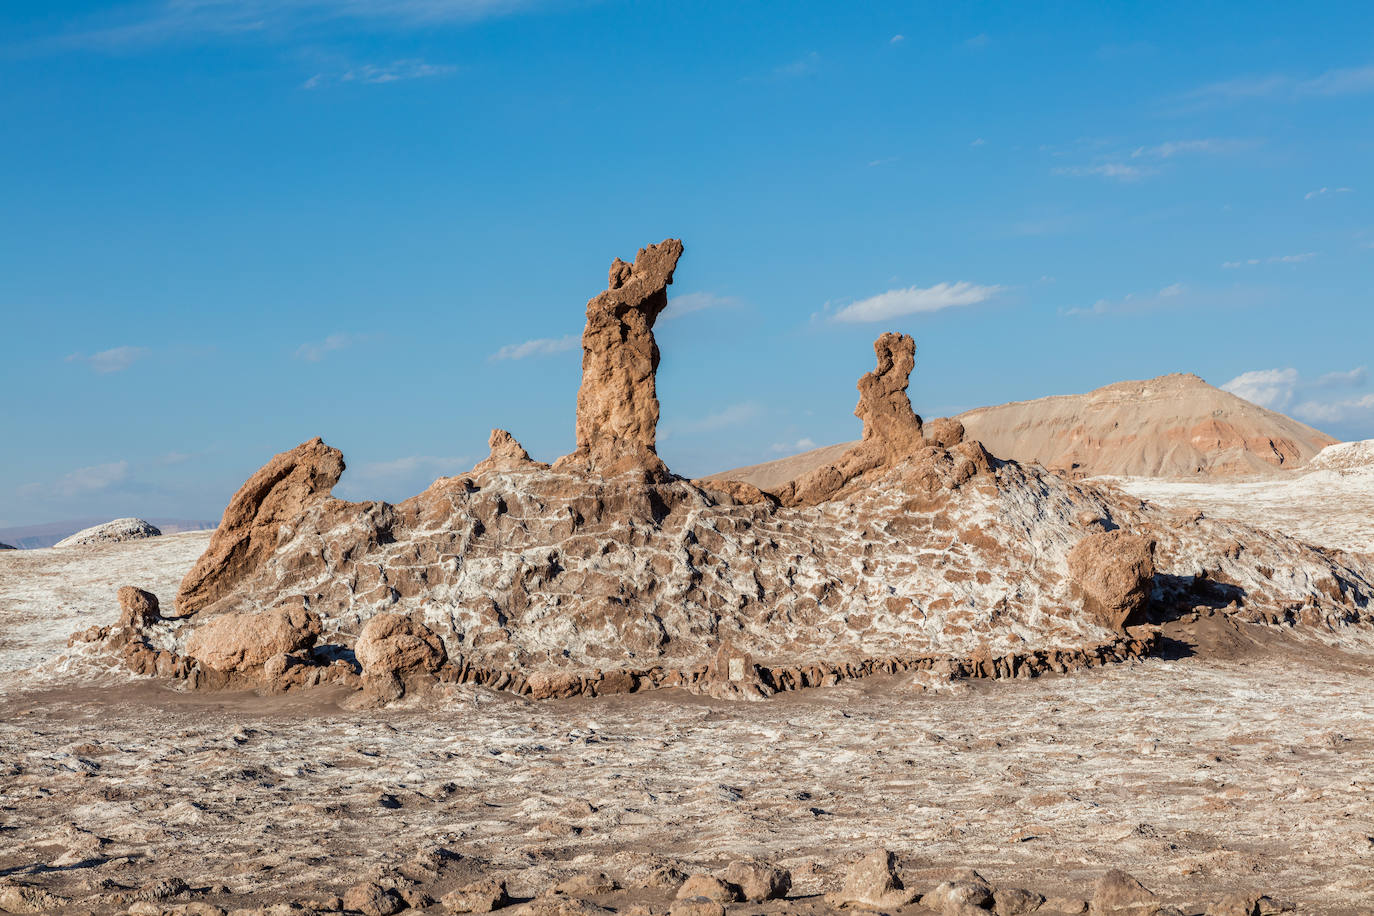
(1117, 891)
(617, 404)
(137, 608)
(481, 896)
(758, 881)
(883, 405)
(506, 454)
(243, 641)
(273, 499)
(1114, 572)
(117, 531)
(873, 883)
(710, 887)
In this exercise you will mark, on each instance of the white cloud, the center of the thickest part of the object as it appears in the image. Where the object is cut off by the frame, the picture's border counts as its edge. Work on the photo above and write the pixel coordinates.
(1272, 388)
(1115, 170)
(376, 74)
(1277, 388)
(1179, 147)
(313, 352)
(897, 302)
(1322, 192)
(688, 303)
(1275, 259)
(804, 444)
(114, 360)
(1339, 81)
(539, 346)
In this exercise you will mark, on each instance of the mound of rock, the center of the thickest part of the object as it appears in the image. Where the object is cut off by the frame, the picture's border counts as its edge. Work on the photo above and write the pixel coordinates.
(915, 550)
(117, 531)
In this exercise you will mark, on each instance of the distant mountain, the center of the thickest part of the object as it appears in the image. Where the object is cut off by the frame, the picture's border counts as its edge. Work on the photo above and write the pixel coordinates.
(1171, 426)
(30, 537)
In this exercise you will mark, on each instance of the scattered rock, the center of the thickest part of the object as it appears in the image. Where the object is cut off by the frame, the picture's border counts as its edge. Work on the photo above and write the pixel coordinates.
(1013, 901)
(594, 884)
(137, 608)
(1113, 572)
(244, 641)
(759, 881)
(19, 898)
(710, 887)
(617, 404)
(873, 883)
(276, 496)
(1244, 904)
(371, 899)
(1117, 890)
(696, 906)
(115, 532)
(478, 897)
(1064, 906)
(968, 890)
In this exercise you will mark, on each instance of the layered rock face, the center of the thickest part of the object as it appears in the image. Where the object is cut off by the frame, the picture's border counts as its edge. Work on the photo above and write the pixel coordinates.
(605, 573)
(617, 405)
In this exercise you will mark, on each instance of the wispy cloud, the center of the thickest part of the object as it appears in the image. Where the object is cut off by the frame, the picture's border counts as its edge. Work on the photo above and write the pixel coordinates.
(1335, 82)
(81, 482)
(1275, 259)
(725, 418)
(1276, 389)
(1117, 171)
(114, 360)
(914, 299)
(539, 346)
(169, 21)
(802, 66)
(411, 464)
(1322, 192)
(377, 74)
(804, 444)
(896, 39)
(1173, 148)
(314, 351)
(1131, 302)
(688, 303)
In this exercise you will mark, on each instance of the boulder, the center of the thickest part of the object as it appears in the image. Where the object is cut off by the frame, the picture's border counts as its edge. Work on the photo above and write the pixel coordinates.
(1117, 891)
(759, 881)
(371, 899)
(397, 644)
(593, 884)
(243, 642)
(945, 432)
(883, 405)
(966, 890)
(477, 897)
(115, 532)
(709, 887)
(137, 608)
(1112, 572)
(1246, 904)
(696, 906)
(1014, 901)
(872, 883)
(617, 404)
(277, 495)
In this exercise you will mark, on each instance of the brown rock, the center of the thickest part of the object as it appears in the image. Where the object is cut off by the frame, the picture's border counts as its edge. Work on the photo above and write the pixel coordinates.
(593, 884)
(242, 642)
(1067, 906)
(617, 405)
(872, 883)
(478, 897)
(733, 674)
(137, 608)
(506, 455)
(696, 906)
(1117, 890)
(397, 652)
(884, 406)
(371, 899)
(1243, 904)
(759, 881)
(276, 495)
(1113, 572)
(945, 432)
(968, 890)
(1013, 901)
(710, 887)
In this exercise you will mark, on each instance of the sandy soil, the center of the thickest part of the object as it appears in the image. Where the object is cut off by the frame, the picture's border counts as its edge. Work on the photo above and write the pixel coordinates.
(1241, 764)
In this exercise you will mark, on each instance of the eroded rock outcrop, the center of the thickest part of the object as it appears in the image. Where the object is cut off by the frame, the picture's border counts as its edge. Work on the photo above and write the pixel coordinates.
(137, 608)
(506, 455)
(617, 404)
(115, 532)
(1113, 572)
(279, 494)
(239, 642)
(883, 405)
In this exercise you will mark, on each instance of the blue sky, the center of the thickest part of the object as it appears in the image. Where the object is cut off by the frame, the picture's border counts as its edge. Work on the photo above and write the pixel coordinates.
(232, 225)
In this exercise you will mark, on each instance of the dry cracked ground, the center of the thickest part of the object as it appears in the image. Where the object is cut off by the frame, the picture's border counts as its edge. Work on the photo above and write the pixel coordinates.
(1243, 760)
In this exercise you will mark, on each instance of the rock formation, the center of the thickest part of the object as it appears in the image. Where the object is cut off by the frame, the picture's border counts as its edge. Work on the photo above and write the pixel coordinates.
(1113, 572)
(117, 531)
(916, 550)
(6, 547)
(872, 883)
(137, 608)
(617, 404)
(278, 495)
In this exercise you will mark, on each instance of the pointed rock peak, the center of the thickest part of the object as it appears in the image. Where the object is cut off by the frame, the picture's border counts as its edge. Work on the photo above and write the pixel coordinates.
(883, 405)
(506, 454)
(617, 405)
